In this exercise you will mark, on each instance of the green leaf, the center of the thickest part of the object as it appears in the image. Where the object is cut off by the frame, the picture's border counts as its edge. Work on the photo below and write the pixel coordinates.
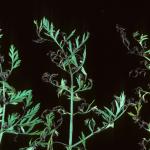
(65, 64)
(122, 99)
(30, 148)
(56, 34)
(30, 114)
(8, 89)
(14, 56)
(117, 107)
(12, 119)
(28, 99)
(120, 103)
(110, 116)
(74, 60)
(77, 41)
(85, 37)
(147, 51)
(105, 115)
(79, 81)
(52, 30)
(61, 88)
(131, 114)
(71, 34)
(20, 96)
(49, 28)
(83, 140)
(49, 120)
(110, 113)
(29, 121)
(83, 58)
(63, 83)
(83, 71)
(140, 38)
(45, 24)
(70, 48)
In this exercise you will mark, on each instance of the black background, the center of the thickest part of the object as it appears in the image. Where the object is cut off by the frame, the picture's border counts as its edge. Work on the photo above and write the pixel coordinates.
(108, 63)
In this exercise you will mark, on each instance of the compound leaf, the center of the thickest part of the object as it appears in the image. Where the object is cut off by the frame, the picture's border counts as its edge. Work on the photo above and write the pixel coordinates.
(14, 56)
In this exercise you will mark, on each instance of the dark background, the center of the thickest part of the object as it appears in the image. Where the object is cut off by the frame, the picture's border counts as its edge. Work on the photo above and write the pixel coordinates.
(108, 62)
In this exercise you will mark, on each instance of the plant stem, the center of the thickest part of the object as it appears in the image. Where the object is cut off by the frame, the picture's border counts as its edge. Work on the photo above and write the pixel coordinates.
(50, 143)
(3, 114)
(71, 113)
(92, 134)
(2, 125)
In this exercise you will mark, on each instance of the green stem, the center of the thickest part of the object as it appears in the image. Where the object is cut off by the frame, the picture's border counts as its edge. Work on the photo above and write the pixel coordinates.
(3, 121)
(3, 115)
(71, 99)
(71, 114)
(92, 134)
(50, 143)
(110, 125)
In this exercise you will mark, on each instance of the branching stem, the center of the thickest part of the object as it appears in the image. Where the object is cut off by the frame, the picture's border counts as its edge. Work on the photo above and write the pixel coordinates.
(91, 134)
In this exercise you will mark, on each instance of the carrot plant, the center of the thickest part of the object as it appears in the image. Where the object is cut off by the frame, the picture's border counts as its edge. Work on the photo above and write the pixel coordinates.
(70, 57)
(15, 123)
(142, 50)
(42, 129)
(22, 122)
